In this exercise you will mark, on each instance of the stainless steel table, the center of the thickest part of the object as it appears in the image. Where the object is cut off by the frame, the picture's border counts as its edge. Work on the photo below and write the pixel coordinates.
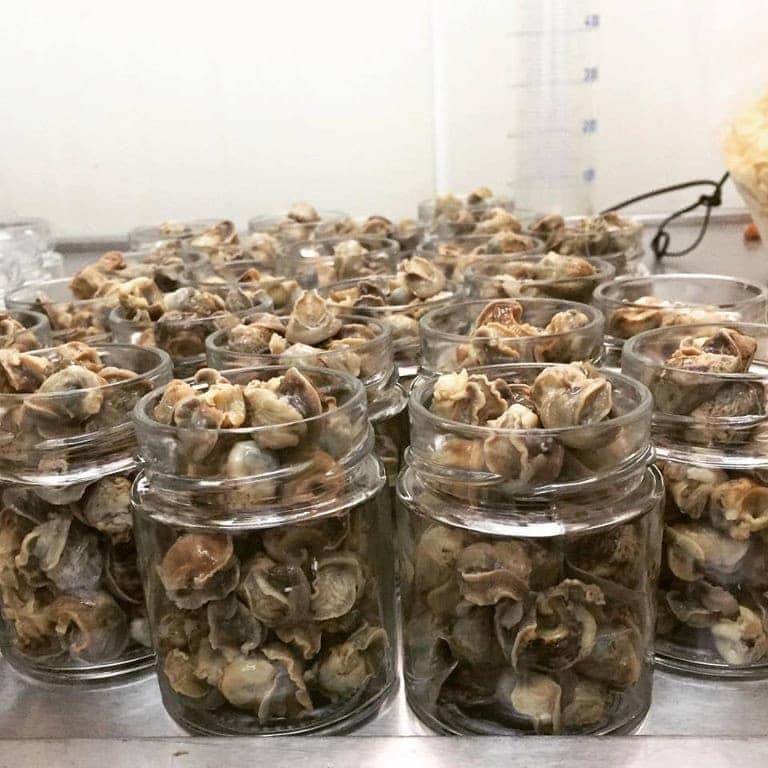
(690, 723)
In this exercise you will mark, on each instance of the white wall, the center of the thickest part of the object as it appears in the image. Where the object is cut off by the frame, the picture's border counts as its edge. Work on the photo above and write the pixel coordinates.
(675, 70)
(118, 114)
(670, 74)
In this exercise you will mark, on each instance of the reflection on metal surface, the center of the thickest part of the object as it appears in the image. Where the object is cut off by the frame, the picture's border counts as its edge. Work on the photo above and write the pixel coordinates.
(349, 752)
(681, 706)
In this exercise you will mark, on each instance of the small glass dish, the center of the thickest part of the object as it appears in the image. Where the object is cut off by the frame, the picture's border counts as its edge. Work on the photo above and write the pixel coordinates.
(408, 233)
(607, 233)
(324, 262)
(181, 335)
(502, 278)
(310, 224)
(450, 215)
(632, 305)
(454, 254)
(403, 319)
(698, 414)
(449, 340)
(248, 276)
(24, 331)
(196, 233)
(71, 319)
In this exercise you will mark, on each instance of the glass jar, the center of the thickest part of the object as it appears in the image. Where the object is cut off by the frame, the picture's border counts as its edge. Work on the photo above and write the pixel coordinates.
(549, 276)
(476, 333)
(528, 586)
(71, 600)
(300, 223)
(249, 276)
(479, 212)
(195, 233)
(24, 331)
(406, 232)
(26, 255)
(168, 264)
(387, 307)
(34, 230)
(182, 335)
(615, 238)
(209, 262)
(710, 432)
(632, 305)
(267, 560)
(325, 262)
(627, 262)
(454, 254)
(101, 278)
(371, 361)
(71, 319)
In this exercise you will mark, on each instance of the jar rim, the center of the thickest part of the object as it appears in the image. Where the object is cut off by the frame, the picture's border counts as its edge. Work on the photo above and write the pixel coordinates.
(519, 516)
(481, 237)
(635, 225)
(161, 363)
(427, 320)
(423, 386)
(270, 219)
(32, 321)
(381, 243)
(428, 205)
(602, 291)
(364, 478)
(202, 260)
(150, 233)
(388, 309)
(117, 314)
(214, 342)
(635, 354)
(141, 412)
(476, 270)
(17, 298)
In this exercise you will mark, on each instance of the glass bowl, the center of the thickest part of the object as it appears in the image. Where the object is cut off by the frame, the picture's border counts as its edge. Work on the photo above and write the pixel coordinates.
(502, 278)
(702, 415)
(454, 254)
(331, 260)
(183, 231)
(449, 344)
(290, 230)
(632, 305)
(71, 319)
